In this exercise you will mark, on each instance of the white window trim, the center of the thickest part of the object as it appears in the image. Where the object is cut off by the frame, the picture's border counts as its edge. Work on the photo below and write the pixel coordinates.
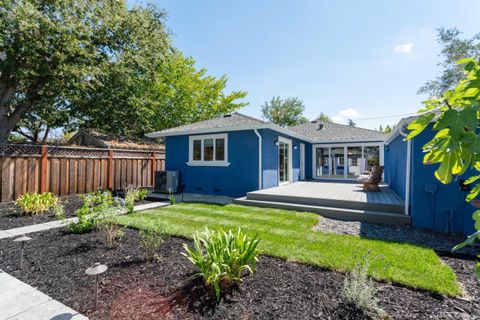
(202, 163)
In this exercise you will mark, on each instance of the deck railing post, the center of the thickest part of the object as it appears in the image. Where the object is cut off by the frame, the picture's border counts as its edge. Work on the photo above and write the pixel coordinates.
(43, 169)
(110, 169)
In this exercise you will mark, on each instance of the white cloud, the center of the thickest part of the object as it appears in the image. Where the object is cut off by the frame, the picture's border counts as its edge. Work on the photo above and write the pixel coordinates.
(338, 119)
(349, 113)
(403, 48)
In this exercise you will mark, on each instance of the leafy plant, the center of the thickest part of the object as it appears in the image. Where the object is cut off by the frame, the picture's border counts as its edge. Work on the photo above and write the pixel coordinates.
(222, 257)
(59, 212)
(96, 206)
(456, 145)
(35, 203)
(150, 241)
(359, 290)
(112, 231)
(142, 194)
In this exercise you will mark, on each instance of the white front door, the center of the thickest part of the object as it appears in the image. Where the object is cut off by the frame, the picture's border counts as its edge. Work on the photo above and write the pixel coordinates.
(284, 160)
(302, 161)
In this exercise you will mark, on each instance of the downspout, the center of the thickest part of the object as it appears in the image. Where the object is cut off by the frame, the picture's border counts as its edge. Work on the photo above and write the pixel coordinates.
(408, 172)
(259, 158)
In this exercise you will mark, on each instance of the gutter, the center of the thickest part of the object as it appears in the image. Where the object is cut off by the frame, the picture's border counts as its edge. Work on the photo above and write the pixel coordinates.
(259, 158)
(408, 171)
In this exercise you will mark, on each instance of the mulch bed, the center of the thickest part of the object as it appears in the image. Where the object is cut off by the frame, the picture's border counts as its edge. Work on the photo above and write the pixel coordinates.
(11, 216)
(132, 289)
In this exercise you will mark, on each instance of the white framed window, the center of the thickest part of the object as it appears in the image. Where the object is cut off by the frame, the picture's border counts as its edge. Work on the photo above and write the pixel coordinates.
(208, 150)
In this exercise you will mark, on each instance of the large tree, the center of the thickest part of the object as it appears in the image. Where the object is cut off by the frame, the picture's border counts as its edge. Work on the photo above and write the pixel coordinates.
(284, 112)
(54, 52)
(175, 94)
(454, 48)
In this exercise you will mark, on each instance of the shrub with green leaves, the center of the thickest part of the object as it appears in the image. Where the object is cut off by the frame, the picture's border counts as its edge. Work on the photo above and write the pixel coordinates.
(111, 230)
(359, 290)
(37, 203)
(142, 194)
(150, 241)
(223, 257)
(96, 206)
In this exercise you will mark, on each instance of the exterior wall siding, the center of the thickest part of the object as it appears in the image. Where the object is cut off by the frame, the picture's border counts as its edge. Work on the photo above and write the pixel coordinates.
(433, 205)
(235, 180)
(396, 166)
(270, 157)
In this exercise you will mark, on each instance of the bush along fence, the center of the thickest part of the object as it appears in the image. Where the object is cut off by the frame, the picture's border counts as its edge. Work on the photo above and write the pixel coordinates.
(71, 170)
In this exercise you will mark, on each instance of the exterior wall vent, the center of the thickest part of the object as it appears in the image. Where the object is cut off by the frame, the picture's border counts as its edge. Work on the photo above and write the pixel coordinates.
(320, 126)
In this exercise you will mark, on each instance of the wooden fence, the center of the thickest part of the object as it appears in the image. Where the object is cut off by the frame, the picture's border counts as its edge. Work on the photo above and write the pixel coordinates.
(71, 170)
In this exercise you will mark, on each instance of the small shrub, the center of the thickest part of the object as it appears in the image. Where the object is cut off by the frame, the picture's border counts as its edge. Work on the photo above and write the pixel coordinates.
(112, 231)
(59, 212)
(142, 194)
(96, 206)
(359, 290)
(172, 199)
(35, 203)
(223, 257)
(150, 241)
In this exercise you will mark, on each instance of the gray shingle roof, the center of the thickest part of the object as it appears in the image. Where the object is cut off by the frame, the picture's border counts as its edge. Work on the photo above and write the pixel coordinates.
(229, 121)
(331, 132)
(334, 132)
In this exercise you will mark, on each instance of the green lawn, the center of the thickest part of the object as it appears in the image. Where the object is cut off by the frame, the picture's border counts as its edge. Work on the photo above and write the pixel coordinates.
(289, 235)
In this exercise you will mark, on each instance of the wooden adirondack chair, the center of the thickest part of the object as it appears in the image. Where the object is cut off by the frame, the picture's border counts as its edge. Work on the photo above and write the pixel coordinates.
(371, 183)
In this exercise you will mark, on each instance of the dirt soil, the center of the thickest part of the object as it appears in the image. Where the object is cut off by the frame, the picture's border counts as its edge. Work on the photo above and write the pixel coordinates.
(132, 289)
(11, 216)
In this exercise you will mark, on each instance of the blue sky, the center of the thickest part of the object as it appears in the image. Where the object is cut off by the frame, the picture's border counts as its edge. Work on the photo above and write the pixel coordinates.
(349, 59)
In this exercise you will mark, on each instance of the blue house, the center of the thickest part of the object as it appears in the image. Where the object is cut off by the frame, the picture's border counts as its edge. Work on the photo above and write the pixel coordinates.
(236, 155)
(431, 204)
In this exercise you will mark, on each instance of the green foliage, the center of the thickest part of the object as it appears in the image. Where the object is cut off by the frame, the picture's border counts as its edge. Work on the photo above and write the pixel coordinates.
(59, 212)
(97, 206)
(150, 240)
(288, 112)
(142, 194)
(324, 117)
(360, 290)
(222, 257)
(34, 203)
(112, 231)
(454, 49)
(172, 199)
(456, 145)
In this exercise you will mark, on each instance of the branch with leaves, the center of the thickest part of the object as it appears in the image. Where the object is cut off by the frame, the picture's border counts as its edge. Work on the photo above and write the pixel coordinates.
(456, 144)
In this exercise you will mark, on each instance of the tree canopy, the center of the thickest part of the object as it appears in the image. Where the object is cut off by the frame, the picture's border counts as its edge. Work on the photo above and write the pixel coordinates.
(454, 49)
(324, 117)
(97, 64)
(284, 112)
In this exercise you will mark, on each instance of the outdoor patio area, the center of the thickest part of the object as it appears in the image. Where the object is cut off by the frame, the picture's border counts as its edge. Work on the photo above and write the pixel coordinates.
(339, 200)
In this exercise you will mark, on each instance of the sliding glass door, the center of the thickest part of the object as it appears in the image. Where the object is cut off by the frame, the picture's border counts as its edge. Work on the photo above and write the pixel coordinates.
(284, 161)
(345, 161)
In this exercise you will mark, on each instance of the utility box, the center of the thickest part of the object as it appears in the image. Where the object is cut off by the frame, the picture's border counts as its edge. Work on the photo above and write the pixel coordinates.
(166, 181)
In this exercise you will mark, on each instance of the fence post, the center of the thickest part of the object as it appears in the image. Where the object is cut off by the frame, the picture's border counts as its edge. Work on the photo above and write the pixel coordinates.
(110, 169)
(154, 167)
(43, 169)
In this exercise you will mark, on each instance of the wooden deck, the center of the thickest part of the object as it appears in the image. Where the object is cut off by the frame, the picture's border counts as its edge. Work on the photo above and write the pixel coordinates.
(342, 200)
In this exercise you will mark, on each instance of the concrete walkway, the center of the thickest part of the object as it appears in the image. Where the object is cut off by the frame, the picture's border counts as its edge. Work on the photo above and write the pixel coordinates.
(20, 301)
(57, 224)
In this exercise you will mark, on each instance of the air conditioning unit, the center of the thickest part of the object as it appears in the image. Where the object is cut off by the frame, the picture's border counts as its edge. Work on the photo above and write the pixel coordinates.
(166, 181)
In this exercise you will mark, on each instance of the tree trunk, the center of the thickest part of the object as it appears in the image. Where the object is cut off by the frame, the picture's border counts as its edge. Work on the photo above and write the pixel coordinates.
(9, 121)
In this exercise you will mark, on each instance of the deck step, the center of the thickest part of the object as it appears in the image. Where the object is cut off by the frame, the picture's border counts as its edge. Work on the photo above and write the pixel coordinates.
(331, 212)
(322, 202)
